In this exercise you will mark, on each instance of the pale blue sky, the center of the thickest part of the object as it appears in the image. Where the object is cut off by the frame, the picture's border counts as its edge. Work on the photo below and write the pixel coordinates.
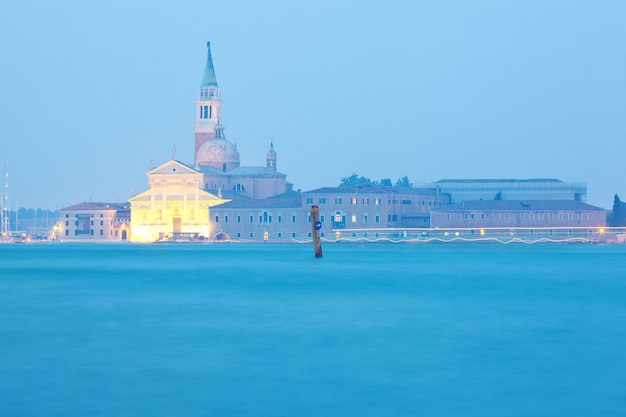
(91, 91)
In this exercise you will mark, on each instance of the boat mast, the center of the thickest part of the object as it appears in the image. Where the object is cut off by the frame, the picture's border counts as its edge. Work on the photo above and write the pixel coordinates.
(5, 202)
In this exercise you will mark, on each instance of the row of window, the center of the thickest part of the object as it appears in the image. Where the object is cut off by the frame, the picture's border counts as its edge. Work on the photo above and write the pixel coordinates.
(522, 216)
(366, 201)
(67, 216)
(265, 217)
(339, 200)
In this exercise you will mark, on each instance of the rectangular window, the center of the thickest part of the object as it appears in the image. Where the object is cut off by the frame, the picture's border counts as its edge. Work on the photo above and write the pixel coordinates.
(531, 216)
(447, 216)
(67, 223)
(550, 216)
(337, 200)
(521, 216)
(540, 216)
(482, 216)
(293, 235)
(293, 218)
(377, 219)
(472, 216)
(280, 218)
(67, 216)
(353, 201)
(225, 219)
(560, 216)
(217, 219)
(101, 232)
(590, 216)
(407, 202)
(309, 200)
(67, 233)
(238, 218)
(394, 218)
(251, 219)
(279, 235)
(365, 218)
(377, 201)
(322, 200)
(501, 216)
(308, 218)
(322, 218)
(466, 216)
(366, 201)
(251, 235)
(101, 223)
(580, 217)
(570, 216)
(353, 218)
(309, 234)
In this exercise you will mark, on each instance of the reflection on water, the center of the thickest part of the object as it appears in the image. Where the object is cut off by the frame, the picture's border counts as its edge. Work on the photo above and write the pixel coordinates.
(368, 330)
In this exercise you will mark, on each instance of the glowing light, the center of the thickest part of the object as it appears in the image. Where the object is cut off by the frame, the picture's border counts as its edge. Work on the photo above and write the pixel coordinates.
(456, 233)
(602, 230)
(337, 235)
(482, 232)
(445, 233)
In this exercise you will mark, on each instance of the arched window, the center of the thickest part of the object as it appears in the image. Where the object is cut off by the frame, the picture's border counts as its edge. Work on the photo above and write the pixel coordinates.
(239, 187)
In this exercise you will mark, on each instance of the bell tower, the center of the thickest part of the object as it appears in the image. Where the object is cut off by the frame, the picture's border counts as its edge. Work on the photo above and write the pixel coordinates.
(208, 106)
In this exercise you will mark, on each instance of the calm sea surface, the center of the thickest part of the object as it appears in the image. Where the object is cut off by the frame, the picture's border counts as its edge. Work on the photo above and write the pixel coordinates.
(268, 330)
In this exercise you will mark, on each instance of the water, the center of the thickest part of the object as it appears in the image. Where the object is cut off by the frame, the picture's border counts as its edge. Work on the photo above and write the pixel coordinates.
(268, 330)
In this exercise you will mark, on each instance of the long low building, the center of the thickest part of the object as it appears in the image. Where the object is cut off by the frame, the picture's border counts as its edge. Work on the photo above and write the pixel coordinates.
(517, 213)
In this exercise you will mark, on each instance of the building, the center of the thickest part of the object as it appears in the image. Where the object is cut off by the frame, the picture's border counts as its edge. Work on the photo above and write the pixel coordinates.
(174, 208)
(368, 205)
(510, 189)
(275, 219)
(531, 218)
(94, 222)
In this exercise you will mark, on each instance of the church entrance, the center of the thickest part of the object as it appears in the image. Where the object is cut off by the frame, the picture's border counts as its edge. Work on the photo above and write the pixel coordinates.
(124, 235)
(176, 225)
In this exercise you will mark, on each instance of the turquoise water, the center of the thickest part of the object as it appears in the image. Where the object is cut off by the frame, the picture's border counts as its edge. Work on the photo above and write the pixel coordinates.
(268, 330)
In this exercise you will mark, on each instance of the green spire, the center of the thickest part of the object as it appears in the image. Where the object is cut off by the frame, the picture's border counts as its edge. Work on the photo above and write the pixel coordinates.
(208, 78)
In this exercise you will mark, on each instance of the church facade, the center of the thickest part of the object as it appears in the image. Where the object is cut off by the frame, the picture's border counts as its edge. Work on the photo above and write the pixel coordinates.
(175, 208)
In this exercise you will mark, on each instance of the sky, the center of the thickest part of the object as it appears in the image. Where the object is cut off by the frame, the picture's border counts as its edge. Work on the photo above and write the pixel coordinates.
(92, 92)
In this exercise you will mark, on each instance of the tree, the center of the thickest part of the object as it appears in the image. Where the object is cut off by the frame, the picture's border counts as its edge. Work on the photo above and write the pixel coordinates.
(619, 213)
(386, 182)
(353, 179)
(404, 182)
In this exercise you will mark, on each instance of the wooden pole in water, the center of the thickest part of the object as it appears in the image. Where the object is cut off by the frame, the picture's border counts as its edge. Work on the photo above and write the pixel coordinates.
(316, 225)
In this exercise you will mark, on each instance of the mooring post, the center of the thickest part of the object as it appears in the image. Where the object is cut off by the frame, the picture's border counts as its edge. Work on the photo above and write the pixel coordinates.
(316, 225)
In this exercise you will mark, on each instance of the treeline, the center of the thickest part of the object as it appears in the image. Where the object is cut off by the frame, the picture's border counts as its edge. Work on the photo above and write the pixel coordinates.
(356, 179)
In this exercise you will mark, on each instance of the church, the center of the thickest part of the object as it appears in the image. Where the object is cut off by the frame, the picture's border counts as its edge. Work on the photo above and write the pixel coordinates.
(218, 159)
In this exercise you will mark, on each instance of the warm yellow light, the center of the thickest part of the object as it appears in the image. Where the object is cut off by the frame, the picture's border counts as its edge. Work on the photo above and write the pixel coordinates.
(353, 219)
(445, 233)
(456, 233)
(602, 230)
(482, 232)
(337, 235)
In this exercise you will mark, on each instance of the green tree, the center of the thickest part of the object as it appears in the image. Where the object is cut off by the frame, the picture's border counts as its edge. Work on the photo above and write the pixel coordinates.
(619, 214)
(404, 182)
(386, 182)
(353, 179)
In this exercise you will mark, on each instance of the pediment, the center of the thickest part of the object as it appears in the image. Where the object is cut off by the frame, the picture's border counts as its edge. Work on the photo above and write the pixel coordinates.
(173, 167)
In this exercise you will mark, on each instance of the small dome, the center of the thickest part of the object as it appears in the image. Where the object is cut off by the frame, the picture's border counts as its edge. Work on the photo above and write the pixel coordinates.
(216, 152)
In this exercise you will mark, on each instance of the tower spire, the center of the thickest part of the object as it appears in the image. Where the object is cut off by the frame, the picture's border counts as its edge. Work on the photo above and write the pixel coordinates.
(208, 78)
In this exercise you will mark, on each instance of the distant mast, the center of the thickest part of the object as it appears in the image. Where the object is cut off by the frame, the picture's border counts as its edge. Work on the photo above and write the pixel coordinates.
(5, 202)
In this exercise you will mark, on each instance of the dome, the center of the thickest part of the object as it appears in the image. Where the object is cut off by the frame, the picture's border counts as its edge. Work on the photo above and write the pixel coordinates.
(217, 152)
